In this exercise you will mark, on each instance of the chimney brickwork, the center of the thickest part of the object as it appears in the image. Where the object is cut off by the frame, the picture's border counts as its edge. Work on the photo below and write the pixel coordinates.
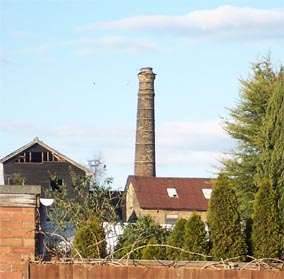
(145, 163)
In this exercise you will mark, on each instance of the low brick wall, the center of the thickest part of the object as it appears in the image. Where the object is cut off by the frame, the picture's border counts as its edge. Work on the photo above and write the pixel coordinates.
(17, 230)
(95, 271)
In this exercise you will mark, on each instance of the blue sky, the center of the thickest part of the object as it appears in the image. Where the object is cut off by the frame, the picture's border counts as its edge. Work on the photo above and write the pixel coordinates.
(68, 74)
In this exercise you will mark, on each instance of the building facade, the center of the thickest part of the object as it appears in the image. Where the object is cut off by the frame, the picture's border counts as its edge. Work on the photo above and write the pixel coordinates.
(36, 163)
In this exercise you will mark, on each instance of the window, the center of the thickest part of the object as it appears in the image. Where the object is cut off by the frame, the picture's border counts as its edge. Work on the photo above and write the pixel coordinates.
(38, 157)
(55, 184)
(35, 157)
(207, 193)
(171, 219)
(172, 192)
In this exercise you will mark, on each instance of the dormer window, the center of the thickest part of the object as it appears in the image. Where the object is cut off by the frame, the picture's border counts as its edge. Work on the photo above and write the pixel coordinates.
(172, 192)
(207, 193)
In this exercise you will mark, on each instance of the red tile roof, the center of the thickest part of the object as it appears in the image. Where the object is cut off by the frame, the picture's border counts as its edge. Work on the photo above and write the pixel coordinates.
(152, 192)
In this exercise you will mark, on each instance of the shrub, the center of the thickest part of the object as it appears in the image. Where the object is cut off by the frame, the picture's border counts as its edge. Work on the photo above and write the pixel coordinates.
(266, 237)
(226, 234)
(89, 240)
(176, 239)
(195, 238)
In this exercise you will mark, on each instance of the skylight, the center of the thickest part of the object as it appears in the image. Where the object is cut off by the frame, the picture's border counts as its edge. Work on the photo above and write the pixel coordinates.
(172, 192)
(207, 193)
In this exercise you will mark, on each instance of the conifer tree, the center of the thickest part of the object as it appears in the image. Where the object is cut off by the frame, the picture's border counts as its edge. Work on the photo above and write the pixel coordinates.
(266, 237)
(176, 239)
(244, 125)
(271, 164)
(89, 241)
(227, 238)
(152, 252)
(137, 235)
(195, 238)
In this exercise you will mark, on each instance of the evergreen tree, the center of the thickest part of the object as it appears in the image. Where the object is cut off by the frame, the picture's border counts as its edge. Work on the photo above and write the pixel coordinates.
(266, 236)
(176, 239)
(245, 124)
(195, 238)
(271, 163)
(226, 235)
(89, 241)
(152, 252)
(137, 235)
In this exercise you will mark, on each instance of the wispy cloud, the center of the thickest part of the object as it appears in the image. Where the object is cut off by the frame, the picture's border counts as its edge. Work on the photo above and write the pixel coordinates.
(119, 43)
(190, 145)
(183, 149)
(222, 23)
(176, 142)
(202, 136)
(24, 35)
(7, 56)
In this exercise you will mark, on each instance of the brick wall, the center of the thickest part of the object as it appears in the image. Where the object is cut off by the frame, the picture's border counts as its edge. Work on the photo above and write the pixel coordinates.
(17, 232)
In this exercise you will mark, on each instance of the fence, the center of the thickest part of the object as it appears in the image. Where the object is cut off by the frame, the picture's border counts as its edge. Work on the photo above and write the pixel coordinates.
(98, 271)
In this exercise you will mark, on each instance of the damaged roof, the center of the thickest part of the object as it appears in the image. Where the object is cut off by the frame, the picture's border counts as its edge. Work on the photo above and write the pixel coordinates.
(39, 142)
(171, 193)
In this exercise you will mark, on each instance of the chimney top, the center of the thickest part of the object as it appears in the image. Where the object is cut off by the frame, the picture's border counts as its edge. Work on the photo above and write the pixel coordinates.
(146, 69)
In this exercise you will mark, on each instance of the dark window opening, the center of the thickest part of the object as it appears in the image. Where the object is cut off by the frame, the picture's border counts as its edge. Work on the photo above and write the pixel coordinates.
(55, 185)
(36, 157)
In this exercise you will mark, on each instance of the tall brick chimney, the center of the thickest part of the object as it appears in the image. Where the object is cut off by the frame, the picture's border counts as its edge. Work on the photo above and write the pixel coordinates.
(145, 163)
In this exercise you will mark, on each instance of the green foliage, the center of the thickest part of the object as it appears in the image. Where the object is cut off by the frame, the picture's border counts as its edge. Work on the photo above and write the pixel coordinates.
(195, 238)
(137, 235)
(272, 158)
(89, 240)
(74, 204)
(257, 124)
(153, 252)
(266, 237)
(18, 179)
(176, 239)
(245, 124)
(226, 235)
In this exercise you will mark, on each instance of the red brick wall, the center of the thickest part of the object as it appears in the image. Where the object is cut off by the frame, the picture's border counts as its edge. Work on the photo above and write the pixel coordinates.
(17, 241)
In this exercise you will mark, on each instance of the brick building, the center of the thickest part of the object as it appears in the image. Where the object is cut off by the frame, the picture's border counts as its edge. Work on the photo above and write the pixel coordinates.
(165, 199)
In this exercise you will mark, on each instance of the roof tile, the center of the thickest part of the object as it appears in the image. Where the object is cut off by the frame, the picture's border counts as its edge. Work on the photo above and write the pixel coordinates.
(152, 192)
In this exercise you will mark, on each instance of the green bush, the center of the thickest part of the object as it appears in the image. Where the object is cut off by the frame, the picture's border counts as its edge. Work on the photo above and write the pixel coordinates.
(89, 240)
(226, 233)
(266, 235)
(195, 238)
(152, 252)
(137, 235)
(176, 240)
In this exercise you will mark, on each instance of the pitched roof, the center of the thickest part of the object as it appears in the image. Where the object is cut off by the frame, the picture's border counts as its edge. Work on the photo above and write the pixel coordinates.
(39, 142)
(154, 193)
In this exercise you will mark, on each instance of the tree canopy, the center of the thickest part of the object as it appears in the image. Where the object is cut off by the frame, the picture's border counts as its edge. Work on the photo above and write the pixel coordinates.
(245, 125)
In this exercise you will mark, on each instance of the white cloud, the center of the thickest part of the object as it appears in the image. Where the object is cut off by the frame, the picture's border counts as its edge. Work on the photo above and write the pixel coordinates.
(182, 148)
(222, 23)
(111, 43)
(203, 136)
(24, 35)
(190, 148)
